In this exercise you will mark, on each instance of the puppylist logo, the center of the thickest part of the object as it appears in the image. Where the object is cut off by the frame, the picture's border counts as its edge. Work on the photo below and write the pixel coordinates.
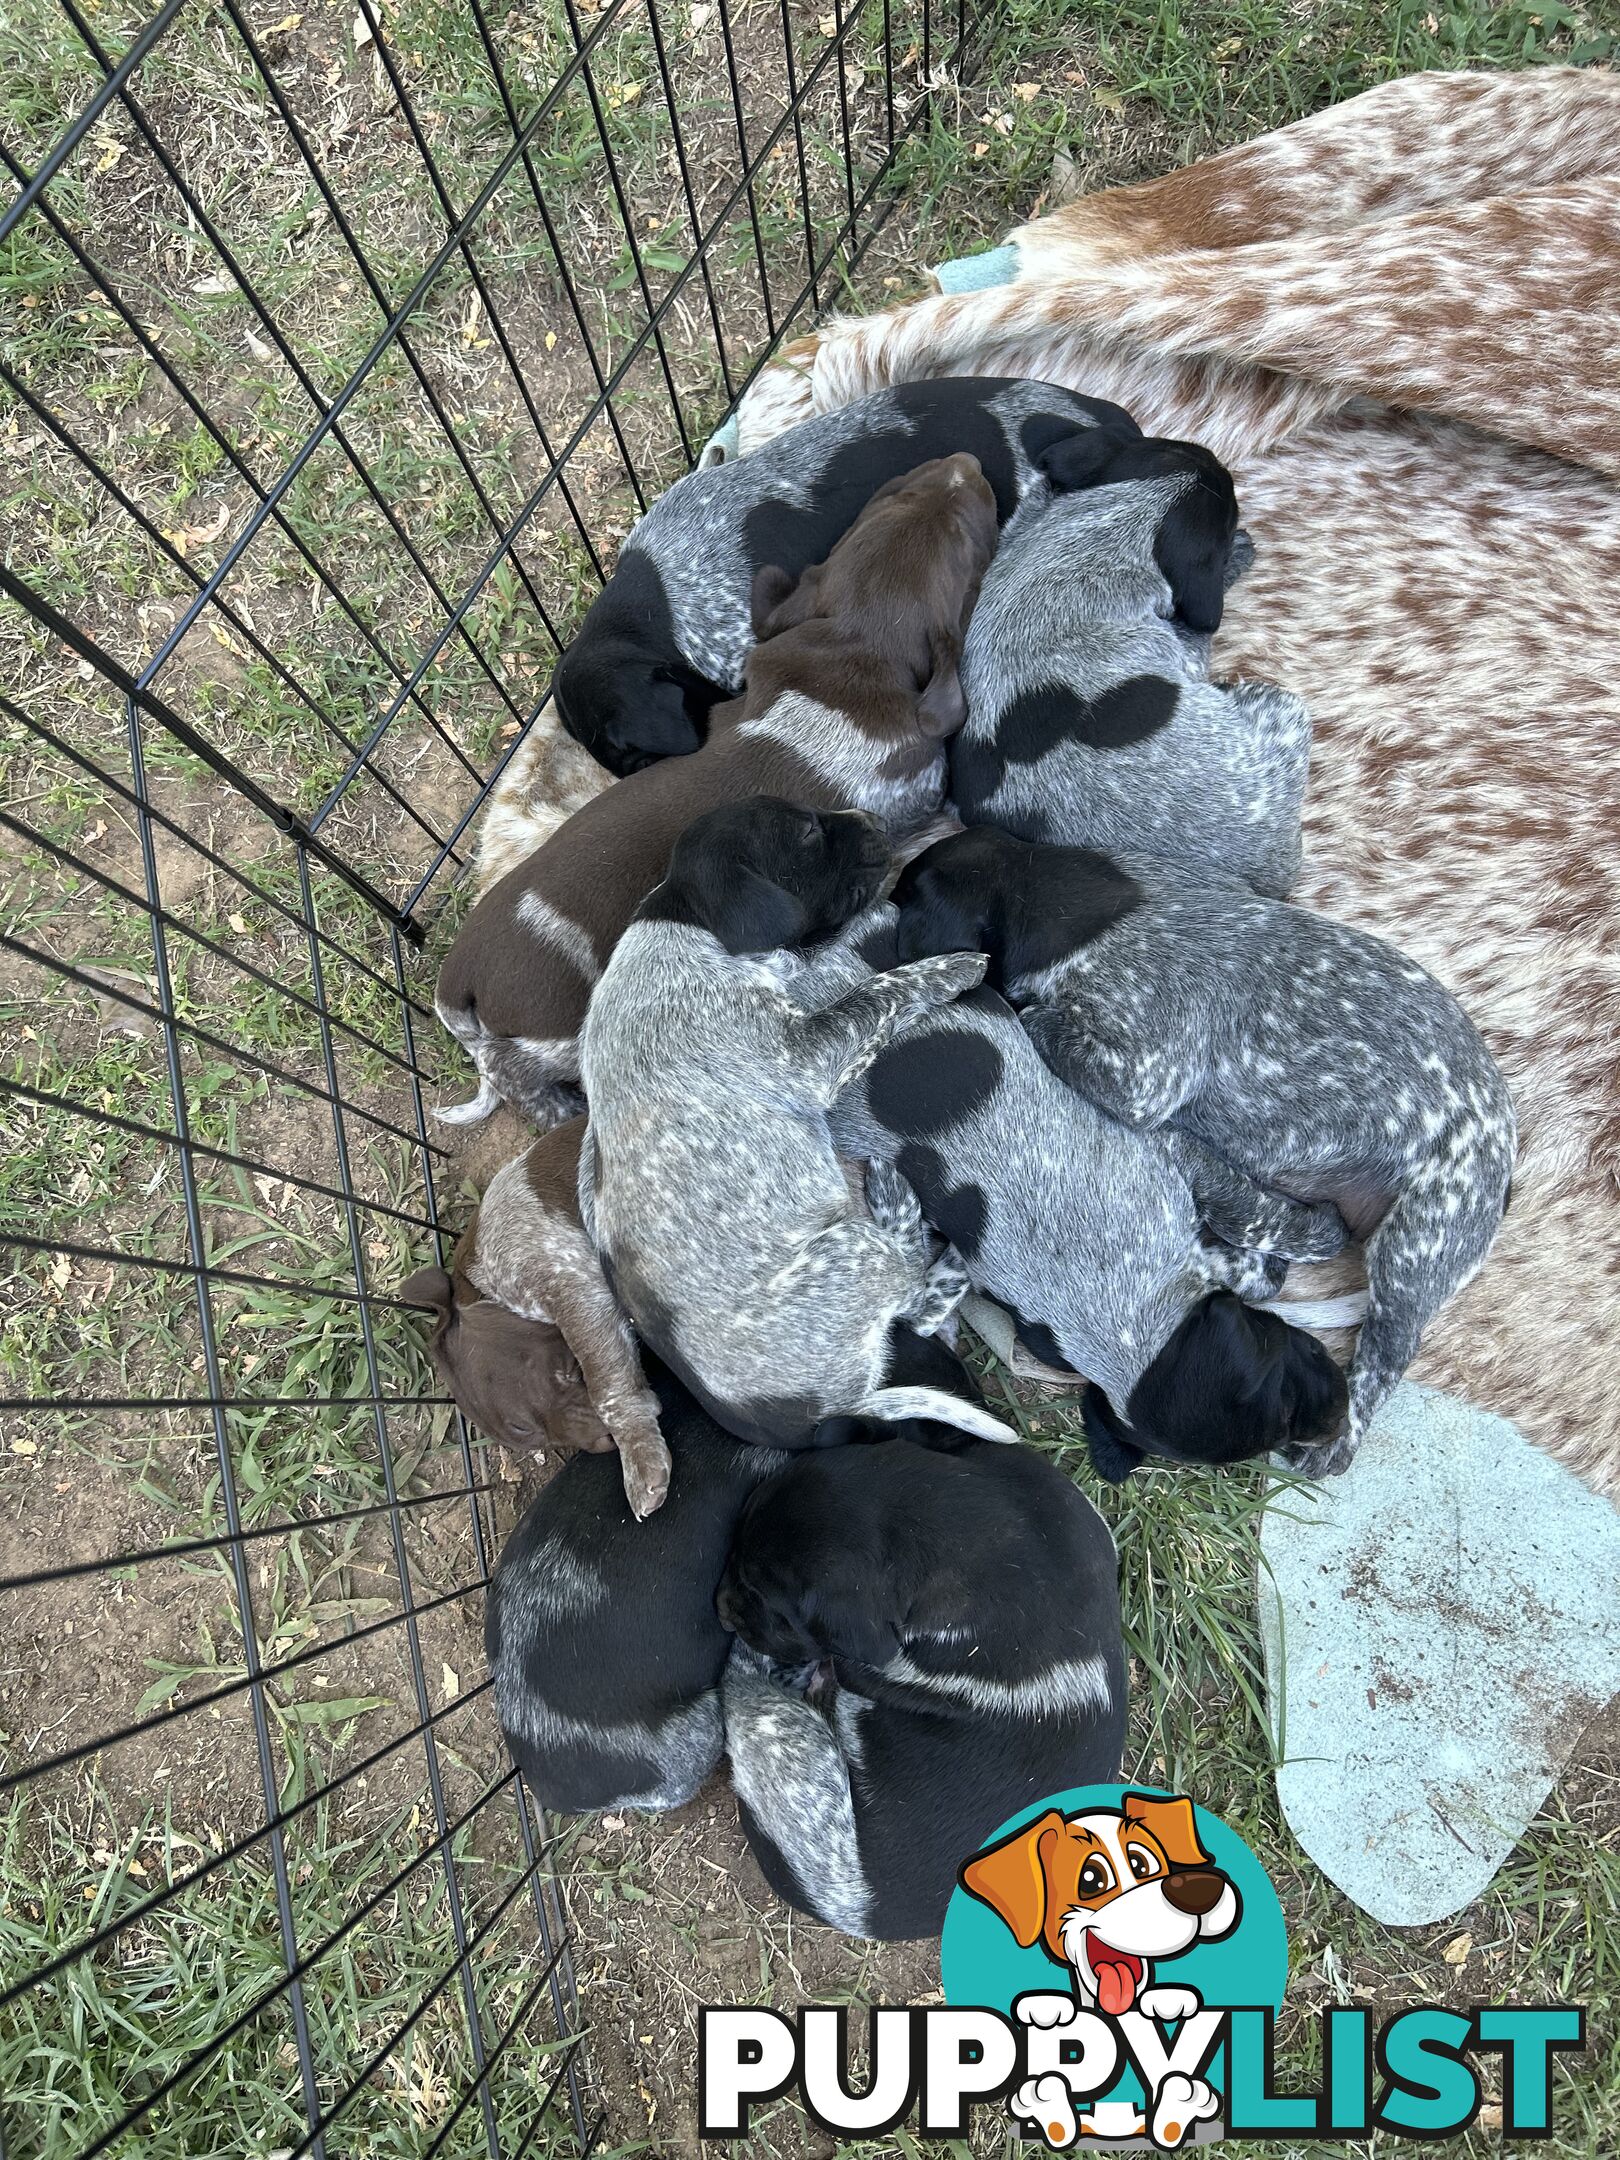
(1114, 1960)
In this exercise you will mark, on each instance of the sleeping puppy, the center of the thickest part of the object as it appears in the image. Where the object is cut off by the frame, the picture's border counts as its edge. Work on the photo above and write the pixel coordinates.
(969, 1605)
(528, 1337)
(850, 696)
(1090, 719)
(1313, 1058)
(711, 1054)
(1088, 1233)
(667, 637)
(601, 1633)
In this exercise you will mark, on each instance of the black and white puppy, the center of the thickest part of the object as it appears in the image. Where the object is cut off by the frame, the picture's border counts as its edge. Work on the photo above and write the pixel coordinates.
(1314, 1058)
(1090, 718)
(713, 1049)
(601, 1631)
(667, 636)
(1089, 1234)
(969, 1605)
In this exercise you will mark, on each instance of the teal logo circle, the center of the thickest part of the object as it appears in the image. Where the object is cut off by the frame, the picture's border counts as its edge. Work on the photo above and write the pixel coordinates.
(1069, 1859)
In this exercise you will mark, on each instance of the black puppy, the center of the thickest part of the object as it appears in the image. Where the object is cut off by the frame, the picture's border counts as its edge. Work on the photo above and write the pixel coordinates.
(969, 1605)
(667, 636)
(1231, 1381)
(601, 1631)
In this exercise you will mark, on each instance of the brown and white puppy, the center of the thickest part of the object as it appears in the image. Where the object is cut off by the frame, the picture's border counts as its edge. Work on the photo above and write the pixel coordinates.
(850, 695)
(528, 1338)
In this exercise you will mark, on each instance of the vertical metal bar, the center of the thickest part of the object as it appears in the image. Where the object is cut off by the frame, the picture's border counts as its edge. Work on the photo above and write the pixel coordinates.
(795, 108)
(435, 403)
(699, 248)
(888, 76)
(548, 1918)
(843, 112)
(216, 240)
(742, 148)
(205, 419)
(564, 275)
(385, 1456)
(197, 1239)
(628, 221)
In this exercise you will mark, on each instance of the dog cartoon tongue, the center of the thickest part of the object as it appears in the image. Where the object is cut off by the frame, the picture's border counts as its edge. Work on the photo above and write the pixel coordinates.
(1118, 1975)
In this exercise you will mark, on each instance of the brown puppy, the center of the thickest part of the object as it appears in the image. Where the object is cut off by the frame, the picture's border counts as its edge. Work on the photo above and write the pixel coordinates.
(529, 1339)
(849, 698)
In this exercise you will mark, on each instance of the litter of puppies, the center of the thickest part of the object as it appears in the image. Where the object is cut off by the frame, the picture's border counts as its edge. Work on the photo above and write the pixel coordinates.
(844, 1061)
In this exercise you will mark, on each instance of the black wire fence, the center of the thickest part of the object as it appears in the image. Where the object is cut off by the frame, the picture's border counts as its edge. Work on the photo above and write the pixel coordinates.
(338, 350)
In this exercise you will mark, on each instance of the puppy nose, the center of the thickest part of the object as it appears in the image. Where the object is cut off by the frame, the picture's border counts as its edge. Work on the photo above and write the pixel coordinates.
(1194, 1890)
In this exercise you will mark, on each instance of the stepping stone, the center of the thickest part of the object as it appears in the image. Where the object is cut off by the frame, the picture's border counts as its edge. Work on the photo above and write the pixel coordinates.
(1440, 1625)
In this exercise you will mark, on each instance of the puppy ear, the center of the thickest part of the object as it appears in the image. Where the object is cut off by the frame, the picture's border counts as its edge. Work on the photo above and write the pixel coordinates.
(767, 601)
(1194, 550)
(1316, 1396)
(749, 913)
(932, 922)
(430, 1286)
(1113, 1455)
(684, 700)
(1080, 460)
(1172, 1822)
(1011, 1877)
(854, 1636)
(942, 707)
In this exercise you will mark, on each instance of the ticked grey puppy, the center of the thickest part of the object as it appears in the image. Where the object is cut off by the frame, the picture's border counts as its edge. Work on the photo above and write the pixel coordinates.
(711, 1054)
(1091, 720)
(1311, 1056)
(668, 635)
(1123, 1255)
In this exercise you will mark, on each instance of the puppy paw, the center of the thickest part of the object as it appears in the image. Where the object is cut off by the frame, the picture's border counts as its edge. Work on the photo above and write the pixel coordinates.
(1169, 2004)
(1045, 2010)
(895, 1208)
(1045, 2104)
(1250, 1274)
(947, 975)
(1181, 2103)
(944, 1288)
(1315, 1230)
(1323, 1459)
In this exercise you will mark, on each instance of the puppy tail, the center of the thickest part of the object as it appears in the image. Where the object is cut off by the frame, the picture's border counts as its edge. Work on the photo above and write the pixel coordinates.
(892, 1405)
(479, 1106)
(1345, 1311)
(534, 1077)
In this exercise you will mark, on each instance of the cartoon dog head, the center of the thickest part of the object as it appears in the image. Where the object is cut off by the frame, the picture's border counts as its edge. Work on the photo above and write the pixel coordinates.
(1108, 1892)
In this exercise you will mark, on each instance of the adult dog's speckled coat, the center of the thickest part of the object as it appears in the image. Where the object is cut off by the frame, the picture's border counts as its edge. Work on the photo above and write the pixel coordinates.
(1396, 322)
(717, 1202)
(1314, 1058)
(1090, 718)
